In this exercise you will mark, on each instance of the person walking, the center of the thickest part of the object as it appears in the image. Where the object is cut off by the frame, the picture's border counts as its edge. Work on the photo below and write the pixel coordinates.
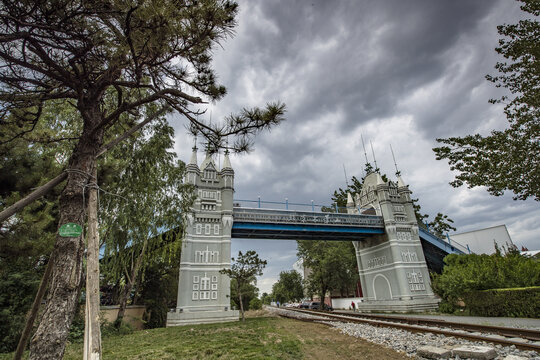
(353, 306)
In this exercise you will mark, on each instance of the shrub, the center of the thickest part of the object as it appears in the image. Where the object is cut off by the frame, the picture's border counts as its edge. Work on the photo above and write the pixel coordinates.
(519, 302)
(463, 274)
(255, 304)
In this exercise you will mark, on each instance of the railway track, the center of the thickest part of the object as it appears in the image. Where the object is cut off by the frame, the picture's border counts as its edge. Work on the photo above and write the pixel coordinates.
(524, 339)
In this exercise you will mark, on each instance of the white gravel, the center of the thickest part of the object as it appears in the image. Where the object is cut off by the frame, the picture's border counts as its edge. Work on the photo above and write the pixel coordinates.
(405, 341)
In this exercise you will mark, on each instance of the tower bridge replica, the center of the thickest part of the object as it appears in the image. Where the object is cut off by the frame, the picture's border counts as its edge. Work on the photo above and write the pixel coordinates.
(393, 254)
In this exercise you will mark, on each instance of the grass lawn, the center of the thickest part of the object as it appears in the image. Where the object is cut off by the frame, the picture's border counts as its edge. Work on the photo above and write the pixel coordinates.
(261, 337)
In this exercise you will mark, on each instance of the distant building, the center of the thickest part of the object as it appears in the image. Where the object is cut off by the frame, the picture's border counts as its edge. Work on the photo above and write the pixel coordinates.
(483, 241)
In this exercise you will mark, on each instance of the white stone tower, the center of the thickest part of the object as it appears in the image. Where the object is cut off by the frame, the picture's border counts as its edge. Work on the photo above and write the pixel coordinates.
(392, 268)
(204, 293)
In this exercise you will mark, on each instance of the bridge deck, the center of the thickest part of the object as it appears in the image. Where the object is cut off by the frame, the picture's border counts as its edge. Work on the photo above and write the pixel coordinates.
(302, 225)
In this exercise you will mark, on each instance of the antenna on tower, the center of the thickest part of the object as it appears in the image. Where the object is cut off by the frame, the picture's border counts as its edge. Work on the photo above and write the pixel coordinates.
(398, 173)
(374, 160)
(345, 172)
(195, 141)
(364, 146)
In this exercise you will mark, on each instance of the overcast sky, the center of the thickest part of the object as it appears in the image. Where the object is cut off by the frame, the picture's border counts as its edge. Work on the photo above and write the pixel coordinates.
(401, 72)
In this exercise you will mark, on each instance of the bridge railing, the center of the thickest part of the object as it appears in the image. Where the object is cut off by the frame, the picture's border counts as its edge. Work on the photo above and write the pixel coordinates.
(305, 217)
(287, 205)
(447, 242)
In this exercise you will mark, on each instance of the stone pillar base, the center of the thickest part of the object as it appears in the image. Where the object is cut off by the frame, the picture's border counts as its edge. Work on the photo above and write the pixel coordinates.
(409, 305)
(201, 317)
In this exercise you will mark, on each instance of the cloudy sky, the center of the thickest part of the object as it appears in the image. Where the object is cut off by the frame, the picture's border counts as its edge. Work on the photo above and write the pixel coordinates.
(401, 72)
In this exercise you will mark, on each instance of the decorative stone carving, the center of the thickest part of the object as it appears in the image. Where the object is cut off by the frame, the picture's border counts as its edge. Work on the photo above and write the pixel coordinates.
(404, 235)
(408, 256)
(376, 262)
(416, 281)
(207, 256)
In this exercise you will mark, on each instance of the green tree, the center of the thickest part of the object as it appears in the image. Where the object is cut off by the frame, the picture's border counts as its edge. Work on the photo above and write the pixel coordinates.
(93, 54)
(508, 159)
(441, 225)
(26, 241)
(288, 287)
(249, 292)
(255, 304)
(332, 266)
(152, 177)
(159, 280)
(243, 270)
(339, 198)
(464, 273)
(266, 298)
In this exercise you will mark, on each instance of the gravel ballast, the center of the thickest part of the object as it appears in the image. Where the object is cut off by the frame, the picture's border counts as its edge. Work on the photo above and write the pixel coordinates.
(408, 342)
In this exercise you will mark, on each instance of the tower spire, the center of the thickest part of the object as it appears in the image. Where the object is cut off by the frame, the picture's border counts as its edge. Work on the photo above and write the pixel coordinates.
(193, 160)
(368, 167)
(374, 160)
(398, 173)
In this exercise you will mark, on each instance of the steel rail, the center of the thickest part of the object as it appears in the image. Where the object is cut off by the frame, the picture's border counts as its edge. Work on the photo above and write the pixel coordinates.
(424, 329)
(529, 334)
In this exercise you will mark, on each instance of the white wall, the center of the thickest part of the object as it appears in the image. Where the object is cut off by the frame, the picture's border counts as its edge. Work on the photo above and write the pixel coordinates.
(482, 241)
(344, 303)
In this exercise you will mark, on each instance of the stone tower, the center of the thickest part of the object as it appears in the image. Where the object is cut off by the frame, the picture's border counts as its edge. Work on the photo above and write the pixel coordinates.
(204, 293)
(392, 268)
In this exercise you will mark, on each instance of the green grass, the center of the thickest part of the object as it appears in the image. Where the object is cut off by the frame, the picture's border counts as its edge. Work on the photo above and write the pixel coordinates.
(257, 338)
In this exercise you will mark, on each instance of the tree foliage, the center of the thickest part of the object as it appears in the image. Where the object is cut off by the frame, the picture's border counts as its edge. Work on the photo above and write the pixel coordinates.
(464, 273)
(108, 60)
(243, 270)
(249, 292)
(507, 159)
(144, 196)
(26, 241)
(332, 266)
(159, 281)
(288, 287)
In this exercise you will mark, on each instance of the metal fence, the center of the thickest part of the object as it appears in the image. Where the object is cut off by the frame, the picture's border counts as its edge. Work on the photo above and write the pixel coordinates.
(305, 217)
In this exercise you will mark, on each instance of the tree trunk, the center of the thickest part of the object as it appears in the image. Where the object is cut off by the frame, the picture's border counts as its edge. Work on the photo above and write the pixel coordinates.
(129, 285)
(92, 334)
(50, 337)
(32, 313)
(240, 299)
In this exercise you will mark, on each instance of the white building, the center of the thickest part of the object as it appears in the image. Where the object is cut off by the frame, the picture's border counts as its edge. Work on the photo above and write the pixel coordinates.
(483, 241)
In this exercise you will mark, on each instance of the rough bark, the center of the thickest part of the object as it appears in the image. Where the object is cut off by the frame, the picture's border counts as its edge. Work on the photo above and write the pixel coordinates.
(92, 334)
(50, 337)
(32, 313)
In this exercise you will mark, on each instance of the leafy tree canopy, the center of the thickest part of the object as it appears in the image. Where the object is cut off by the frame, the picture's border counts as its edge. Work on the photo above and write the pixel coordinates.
(288, 287)
(108, 60)
(332, 266)
(463, 273)
(507, 159)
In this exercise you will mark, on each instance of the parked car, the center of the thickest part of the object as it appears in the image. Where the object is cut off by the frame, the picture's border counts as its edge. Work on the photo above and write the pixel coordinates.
(305, 305)
(316, 305)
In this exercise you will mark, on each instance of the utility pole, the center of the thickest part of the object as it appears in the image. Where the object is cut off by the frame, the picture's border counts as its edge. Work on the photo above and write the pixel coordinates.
(92, 332)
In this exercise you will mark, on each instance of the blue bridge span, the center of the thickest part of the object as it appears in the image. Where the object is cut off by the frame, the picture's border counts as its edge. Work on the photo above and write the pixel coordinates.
(279, 224)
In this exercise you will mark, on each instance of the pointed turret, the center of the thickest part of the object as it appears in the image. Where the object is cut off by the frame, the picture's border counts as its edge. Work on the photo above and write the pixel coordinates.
(400, 182)
(380, 180)
(350, 201)
(207, 160)
(226, 161)
(192, 170)
(193, 160)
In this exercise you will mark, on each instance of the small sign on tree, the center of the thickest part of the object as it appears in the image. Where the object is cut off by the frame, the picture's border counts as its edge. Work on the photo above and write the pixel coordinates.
(70, 230)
